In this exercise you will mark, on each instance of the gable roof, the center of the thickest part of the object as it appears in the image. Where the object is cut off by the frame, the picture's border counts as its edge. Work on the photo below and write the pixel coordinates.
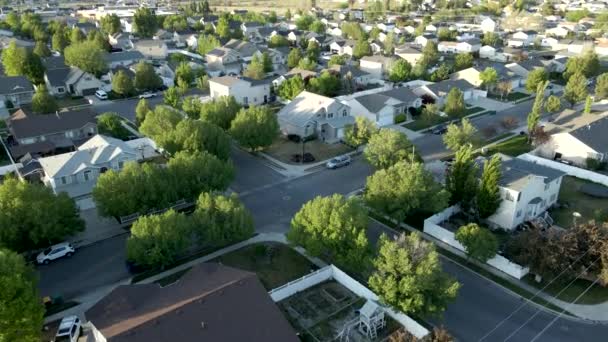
(54, 62)
(123, 56)
(304, 107)
(15, 84)
(244, 48)
(376, 101)
(210, 302)
(446, 85)
(24, 125)
(594, 135)
(97, 150)
(515, 172)
(58, 77)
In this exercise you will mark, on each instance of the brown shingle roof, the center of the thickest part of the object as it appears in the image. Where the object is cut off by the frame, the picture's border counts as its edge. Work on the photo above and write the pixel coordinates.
(25, 125)
(209, 303)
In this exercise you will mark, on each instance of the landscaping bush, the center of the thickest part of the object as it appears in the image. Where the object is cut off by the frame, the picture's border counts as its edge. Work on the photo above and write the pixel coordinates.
(595, 165)
(9, 104)
(399, 118)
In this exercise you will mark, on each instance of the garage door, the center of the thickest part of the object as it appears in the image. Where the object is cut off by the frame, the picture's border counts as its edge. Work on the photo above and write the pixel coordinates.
(90, 91)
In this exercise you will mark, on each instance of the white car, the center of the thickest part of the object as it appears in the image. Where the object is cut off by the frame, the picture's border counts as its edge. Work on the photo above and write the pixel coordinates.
(102, 95)
(147, 95)
(338, 162)
(69, 329)
(57, 251)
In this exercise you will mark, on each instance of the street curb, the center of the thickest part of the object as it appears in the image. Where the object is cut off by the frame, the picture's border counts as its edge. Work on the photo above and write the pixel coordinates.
(100, 240)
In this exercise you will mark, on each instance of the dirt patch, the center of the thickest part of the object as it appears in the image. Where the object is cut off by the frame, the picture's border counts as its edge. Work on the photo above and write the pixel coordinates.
(283, 150)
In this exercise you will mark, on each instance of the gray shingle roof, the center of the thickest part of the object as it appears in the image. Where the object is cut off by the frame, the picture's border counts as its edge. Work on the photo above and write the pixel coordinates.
(123, 56)
(445, 86)
(57, 77)
(15, 84)
(373, 102)
(516, 172)
(24, 125)
(594, 135)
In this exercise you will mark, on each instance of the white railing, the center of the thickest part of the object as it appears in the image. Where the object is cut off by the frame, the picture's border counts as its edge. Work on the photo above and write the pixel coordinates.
(431, 227)
(570, 170)
(332, 272)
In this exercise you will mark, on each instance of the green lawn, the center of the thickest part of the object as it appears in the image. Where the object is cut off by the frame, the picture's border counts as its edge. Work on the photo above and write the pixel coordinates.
(577, 202)
(597, 294)
(275, 264)
(512, 147)
(510, 98)
(71, 102)
(418, 125)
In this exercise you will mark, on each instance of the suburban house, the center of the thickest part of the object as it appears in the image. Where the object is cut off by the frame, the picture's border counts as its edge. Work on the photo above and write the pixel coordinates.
(358, 77)
(488, 25)
(439, 91)
(423, 39)
(577, 145)
(223, 61)
(522, 38)
(342, 47)
(310, 114)
(527, 190)
(17, 90)
(465, 46)
(120, 40)
(76, 173)
(382, 107)
(49, 133)
(472, 75)
(245, 50)
(152, 49)
(211, 302)
(377, 65)
(246, 91)
(71, 80)
(409, 53)
(123, 58)
(251, 29)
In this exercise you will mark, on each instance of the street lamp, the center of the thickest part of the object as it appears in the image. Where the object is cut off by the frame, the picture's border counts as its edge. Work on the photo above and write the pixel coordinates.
(304, 141)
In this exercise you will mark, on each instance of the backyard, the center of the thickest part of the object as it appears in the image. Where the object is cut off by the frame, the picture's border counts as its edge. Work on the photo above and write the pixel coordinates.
(283, 150)
(420, 124)
(572, 199)
(512, 147)
(514, 96)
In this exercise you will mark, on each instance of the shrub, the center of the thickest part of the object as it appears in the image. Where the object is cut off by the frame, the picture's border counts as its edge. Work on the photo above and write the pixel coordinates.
(399, 118)
(595, 165)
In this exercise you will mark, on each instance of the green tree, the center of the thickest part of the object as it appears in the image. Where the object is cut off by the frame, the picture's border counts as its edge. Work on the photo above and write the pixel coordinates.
(288, 14)
(222, 29)
(14, 59)
(157, 240)
(463, 61)
(488, 193)
(267, 62)
(361, 132)
(122, 84)
(294, 57)
(43, 102)
(220, 111)
(255, 127)
(192, 106)
(144, 22)
(442, 73)
(278, 41)
(536, 77)
(537, 107)
(327, 84)
(488, 77)
(403, 190)
(291, 88)
(313, 50)
(202, 83)
(317, 26)
(41, 50)
(576, 89)
(109, 123)
(59, 41)
(430, 54)
(304, 22)
(172, 97)
(601, 87)
(588, 103)
(21, 312)
(159, 123)
(454, 103)
(198, 136)
(387, 147)
(445, 34)
(141, 111)
(401, 71)
(146, 78)
(206, 43)
(458, 136)
(478, 242)
(272, 17)
(87, 56)
(255, 69)
(175, 22)
(184, 73)
(337, 60)
(491, 38)
(110, 24)
(307, 64)
(408, 276)
(461, 179)
(389, 44)
(553, 104)
(76, 36)
(32, 216)
(220, 220)
(361, 49)
(333, 228)
(587, 64)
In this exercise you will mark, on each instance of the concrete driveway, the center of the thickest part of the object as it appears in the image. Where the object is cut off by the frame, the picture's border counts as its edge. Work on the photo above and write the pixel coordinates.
(489, 104)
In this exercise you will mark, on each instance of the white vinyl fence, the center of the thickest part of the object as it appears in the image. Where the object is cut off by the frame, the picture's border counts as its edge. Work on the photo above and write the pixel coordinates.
(570, 170)
(431, 227)
(332, 272)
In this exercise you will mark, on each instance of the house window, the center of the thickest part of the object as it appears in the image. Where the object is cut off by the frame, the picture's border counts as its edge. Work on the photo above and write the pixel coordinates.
(519, 213)
(246, 100)
(121, 164)
(87, 175)
(509, 196)
(64, 180)
(330, 115)
(546, 186)
(344, 113)
(552, 198)
(60, 90)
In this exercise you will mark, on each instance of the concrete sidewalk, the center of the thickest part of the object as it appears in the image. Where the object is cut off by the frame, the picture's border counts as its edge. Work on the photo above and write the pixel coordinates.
(292, 171)
(97, 228)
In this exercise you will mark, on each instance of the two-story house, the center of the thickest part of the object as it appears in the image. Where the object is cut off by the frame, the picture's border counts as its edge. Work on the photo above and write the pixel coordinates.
(15, 91)
(377, 66)
(310, 114)
(246, 91)
(123, 58)
(223, 61)
(527, 190)
(49, 133)
(152, 49)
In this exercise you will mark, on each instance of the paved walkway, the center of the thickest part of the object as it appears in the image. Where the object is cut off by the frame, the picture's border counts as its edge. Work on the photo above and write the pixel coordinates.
(292, 170)
(490, 104)
(88, 300)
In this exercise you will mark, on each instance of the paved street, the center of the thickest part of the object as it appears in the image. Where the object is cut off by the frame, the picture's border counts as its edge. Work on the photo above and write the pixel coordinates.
(124, 108)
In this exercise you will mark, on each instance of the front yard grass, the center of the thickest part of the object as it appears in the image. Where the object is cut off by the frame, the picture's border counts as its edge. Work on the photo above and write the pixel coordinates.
(282, 149)
(597, 294)
(512, 147)
(275, 264)
(67, 102)
(577, 201)
(418, 124)
(514, 96)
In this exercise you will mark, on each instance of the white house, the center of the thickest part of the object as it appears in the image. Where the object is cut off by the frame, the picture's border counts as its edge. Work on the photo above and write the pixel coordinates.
(488, 25)
(439, 91)
(527, 190)
(409, 53)
(76, 172)
(383, 107)
(487, 51)
(377, 65)
(313, 114)
(576, 146)
(246, 91)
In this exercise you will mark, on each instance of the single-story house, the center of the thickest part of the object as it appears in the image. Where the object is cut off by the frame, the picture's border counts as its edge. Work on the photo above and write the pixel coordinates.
(382, 107)
(439, 91)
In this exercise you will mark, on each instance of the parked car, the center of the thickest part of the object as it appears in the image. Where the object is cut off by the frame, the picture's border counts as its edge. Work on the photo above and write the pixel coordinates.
(69, 329)
(147, 95)
(102, 95)
(439, 130)
(64, 249)
(338, 162)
